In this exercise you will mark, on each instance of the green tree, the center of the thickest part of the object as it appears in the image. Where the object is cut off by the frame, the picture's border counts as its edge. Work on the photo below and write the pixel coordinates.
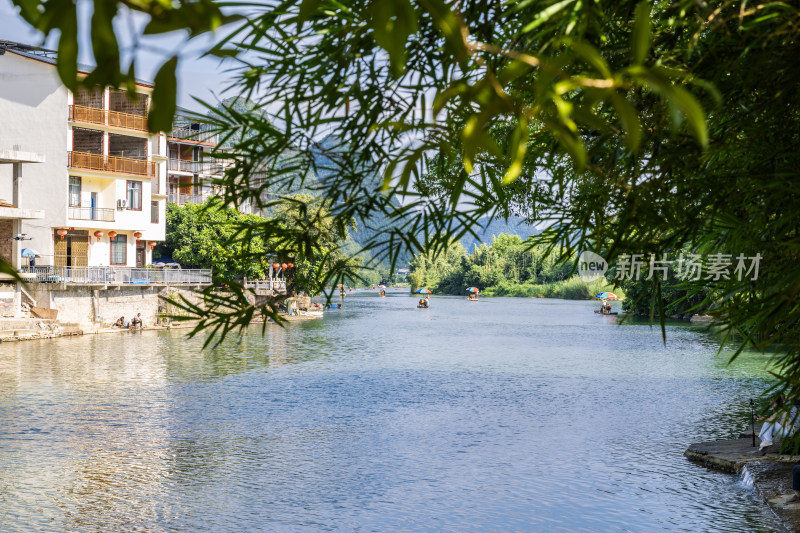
(205, 236)
(321, 251)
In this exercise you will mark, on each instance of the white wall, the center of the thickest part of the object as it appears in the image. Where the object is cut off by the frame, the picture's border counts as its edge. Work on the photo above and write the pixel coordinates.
(33, 115)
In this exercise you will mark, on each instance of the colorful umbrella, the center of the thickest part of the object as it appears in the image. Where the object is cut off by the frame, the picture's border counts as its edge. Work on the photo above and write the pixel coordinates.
(607, 295)
(27, 252)
(381, 286)
(473, 289)
(422, 291)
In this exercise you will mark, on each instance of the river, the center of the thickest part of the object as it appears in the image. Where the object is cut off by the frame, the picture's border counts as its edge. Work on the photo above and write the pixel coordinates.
(504, 414)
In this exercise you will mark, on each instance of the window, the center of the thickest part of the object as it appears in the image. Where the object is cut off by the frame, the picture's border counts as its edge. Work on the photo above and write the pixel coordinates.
(74, 191)
(135, 195)
(119, 250)
(154, 212)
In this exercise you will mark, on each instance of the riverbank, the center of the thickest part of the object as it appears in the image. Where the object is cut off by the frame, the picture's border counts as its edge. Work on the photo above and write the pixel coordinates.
(770, 474)
(570, 289)
(35, 329)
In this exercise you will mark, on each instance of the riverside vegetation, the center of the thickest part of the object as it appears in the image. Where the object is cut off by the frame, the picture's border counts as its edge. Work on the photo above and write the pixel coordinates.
(507, 267)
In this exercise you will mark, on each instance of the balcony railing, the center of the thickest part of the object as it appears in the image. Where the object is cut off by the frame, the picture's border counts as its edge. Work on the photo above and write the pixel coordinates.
(110, 163)
(93, 115)
(266, 285)
(181, 199)
(103, 275)
(194, 135)
(91, 213)
(196, 167)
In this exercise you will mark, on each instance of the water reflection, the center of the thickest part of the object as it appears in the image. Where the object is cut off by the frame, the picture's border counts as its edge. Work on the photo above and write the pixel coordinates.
(507, 414)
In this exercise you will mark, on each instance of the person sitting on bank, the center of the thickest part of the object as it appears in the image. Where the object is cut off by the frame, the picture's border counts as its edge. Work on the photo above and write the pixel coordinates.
(775, 425)
(137, 321)
(120, 322)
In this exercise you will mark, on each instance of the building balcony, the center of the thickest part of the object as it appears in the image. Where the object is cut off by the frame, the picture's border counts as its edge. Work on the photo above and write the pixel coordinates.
(209, 168)
(181, 199)
(106, 117)
(92, 213)
(188, 134)
(110, 163)
(108, 275)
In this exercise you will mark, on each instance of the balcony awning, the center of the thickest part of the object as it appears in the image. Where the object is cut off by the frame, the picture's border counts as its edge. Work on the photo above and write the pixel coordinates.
(17, 213)
(18, 156)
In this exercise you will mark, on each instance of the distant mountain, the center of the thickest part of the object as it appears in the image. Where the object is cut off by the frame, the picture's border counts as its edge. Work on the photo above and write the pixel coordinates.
(326, 168)
(513, 226)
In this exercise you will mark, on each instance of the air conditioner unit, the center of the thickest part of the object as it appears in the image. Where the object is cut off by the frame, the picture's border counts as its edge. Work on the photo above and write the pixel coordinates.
(122, 204)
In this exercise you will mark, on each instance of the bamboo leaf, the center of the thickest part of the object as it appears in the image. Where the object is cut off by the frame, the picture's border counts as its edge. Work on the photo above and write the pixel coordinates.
(640, 38)
(518, 148)
(693, 112)
(67, 65)
(630, 121)
(164, 97)
(546, 14)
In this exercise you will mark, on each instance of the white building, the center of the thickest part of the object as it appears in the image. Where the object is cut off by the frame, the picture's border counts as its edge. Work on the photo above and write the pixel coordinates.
(191, 172)
(100, 177)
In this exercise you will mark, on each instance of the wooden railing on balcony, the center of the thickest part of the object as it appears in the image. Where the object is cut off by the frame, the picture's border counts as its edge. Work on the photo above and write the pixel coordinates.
(194, 135)
(110, 163)
(93, 115)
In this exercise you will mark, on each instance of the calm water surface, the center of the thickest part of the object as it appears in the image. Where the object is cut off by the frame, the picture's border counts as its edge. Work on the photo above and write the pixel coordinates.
(505, 414)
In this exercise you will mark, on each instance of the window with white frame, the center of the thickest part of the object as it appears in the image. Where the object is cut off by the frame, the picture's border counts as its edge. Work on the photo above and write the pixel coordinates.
(119, 250)
(74, 191)
(135, 195)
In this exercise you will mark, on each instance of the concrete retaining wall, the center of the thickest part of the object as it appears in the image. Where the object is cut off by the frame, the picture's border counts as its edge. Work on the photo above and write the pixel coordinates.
(90, 307)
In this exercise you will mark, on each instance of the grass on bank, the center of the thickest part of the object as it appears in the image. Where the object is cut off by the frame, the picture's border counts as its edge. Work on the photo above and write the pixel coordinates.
(570, 289)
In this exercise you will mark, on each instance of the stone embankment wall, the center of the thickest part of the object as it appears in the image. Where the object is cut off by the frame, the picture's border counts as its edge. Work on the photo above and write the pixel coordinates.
(89, 308)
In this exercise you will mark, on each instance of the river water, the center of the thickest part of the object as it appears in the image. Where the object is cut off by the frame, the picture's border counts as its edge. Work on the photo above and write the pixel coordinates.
(505, 414)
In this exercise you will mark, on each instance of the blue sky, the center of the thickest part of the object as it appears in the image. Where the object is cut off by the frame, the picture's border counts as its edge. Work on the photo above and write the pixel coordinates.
(201, 77)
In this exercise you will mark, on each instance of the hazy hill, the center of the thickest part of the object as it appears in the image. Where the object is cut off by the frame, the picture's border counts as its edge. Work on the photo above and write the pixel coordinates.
(326, 167)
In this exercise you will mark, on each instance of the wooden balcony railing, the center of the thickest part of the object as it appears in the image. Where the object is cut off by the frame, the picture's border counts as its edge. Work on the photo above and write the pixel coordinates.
(93, 115)
(194, 135)
(110, 163)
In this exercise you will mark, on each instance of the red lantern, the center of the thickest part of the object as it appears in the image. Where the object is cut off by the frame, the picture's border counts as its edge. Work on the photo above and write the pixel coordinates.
(62, 233)
(112, 234)
(283, 266)
(98, 234)
(152, 244)
(290, 265)
(137, 234)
